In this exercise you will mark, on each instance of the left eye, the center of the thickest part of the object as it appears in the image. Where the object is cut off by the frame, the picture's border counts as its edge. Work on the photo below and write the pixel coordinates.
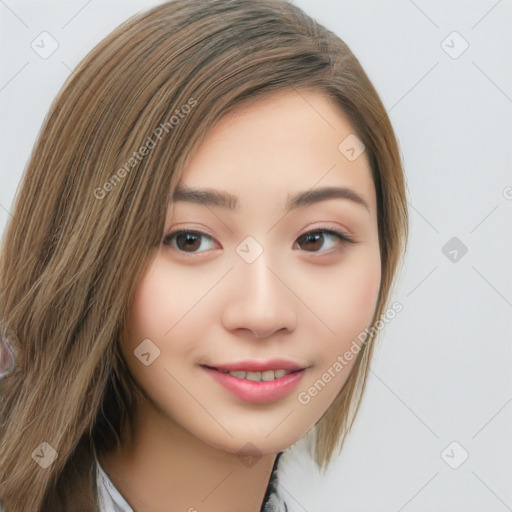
(316, 239)
(312, 241)
(187, 241)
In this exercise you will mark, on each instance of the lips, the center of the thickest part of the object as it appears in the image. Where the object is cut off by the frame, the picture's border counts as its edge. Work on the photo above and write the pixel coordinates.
(256, 391)
(252, 365)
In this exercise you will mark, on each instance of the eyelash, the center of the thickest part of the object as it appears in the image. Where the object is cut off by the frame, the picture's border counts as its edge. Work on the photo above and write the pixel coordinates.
(343, 238)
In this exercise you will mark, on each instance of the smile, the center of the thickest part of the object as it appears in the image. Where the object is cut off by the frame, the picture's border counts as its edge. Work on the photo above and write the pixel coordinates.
(266, 376)
(257, 386)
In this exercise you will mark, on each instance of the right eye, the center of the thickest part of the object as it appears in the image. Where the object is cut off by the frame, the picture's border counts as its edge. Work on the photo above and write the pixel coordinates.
(188, 241)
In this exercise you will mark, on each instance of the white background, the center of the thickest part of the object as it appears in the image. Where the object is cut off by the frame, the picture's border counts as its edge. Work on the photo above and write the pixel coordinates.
(442, 367)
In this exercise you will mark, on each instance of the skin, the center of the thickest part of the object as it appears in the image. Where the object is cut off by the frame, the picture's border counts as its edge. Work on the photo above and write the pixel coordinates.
(305, 301)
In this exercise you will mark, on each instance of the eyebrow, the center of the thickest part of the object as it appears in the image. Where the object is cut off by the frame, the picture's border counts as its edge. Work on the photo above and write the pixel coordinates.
(212, 197)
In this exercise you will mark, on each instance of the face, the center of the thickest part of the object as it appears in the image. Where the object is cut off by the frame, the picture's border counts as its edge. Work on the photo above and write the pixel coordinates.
(277, 267)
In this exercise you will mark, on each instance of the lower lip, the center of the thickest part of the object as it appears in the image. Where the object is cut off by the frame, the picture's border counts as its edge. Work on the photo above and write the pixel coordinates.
(257, 392)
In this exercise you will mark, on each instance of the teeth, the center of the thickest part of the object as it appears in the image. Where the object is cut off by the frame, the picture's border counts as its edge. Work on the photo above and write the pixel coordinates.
(266, 376)
(240, 375)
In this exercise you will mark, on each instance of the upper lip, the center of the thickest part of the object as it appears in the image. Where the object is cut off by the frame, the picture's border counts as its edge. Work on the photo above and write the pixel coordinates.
(253, 365)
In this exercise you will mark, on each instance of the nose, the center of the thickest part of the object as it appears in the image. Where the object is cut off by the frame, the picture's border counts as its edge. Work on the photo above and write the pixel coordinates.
(259, 301)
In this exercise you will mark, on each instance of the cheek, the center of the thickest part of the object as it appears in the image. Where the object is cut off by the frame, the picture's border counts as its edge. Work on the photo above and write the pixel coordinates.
(166, 309)
(172, 308)
(347, 307)
(362, 292)
(358, 300)
(165, 304)
(345, 298)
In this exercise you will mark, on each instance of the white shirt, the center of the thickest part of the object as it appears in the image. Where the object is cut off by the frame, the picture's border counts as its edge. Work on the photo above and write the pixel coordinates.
(110, 499)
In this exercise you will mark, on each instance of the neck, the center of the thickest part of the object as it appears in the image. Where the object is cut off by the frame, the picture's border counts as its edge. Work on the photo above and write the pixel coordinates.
(165, 467)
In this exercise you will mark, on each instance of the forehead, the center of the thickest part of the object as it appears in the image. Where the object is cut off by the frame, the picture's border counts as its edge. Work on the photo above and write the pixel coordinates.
(285, 141)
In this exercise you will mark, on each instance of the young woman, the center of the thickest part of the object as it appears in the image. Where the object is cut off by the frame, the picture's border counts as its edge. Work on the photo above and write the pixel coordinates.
(205, 237)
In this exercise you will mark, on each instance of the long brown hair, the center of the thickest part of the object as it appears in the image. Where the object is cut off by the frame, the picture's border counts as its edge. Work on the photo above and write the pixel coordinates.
(91, 208)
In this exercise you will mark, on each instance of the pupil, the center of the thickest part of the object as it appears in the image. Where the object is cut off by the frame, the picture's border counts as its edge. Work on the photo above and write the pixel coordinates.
(314, 240)
(189, 239)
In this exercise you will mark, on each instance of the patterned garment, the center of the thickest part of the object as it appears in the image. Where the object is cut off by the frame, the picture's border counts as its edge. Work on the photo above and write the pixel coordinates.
(272, 502)
(111, 500)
